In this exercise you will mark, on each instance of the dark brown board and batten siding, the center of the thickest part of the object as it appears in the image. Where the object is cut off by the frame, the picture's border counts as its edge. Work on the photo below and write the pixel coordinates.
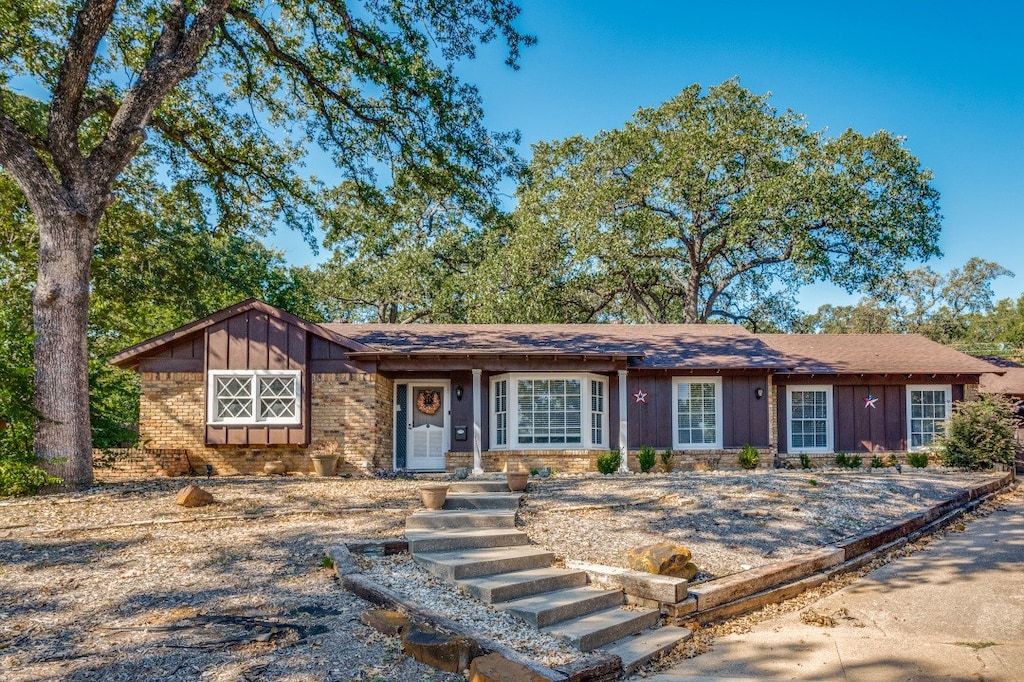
(184, 356)
(856, 428)
(744, 418)
(256, 340)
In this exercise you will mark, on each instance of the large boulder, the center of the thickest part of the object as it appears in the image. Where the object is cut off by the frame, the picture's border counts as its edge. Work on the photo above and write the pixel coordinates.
(451, 653)
(194, 496)
(664, 558)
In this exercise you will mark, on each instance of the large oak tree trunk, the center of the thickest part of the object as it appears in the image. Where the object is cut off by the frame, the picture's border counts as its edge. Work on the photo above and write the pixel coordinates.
(60, 305)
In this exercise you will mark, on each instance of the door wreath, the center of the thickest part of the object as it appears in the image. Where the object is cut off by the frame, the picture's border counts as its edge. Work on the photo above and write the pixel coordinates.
(428, 402)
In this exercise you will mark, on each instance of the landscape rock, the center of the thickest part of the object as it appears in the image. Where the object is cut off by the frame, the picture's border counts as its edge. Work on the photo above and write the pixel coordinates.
(385, 621)
(451, 653)
(194, 496)
(663, 558)
(496, 668)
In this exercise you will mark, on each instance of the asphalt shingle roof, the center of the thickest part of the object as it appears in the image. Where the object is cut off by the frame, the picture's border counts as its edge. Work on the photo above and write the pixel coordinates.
(696, 346)
(872, 354)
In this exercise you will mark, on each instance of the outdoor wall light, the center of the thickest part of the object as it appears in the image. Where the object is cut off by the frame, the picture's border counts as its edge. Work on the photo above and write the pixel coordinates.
(458, 392)
(758, 393)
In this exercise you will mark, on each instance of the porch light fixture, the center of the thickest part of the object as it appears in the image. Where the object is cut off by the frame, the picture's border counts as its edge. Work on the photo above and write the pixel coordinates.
(458, 392)
(759, 393)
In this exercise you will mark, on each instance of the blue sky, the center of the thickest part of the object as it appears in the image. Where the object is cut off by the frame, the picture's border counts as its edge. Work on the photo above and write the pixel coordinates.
(947, 76)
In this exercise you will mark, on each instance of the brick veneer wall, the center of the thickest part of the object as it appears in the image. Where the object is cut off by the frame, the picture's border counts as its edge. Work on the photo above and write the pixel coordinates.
(127, 463)
(344, 407)
(384, 423)
(583, 461)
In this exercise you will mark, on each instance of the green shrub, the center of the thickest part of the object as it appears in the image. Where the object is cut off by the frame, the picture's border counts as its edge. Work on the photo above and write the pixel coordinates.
(893, 461)
(979, 434)
(849, 461)
(918, 459)
(647, 458)
(609, 462)
(805, 461)
(19, 473)
(876, 462)
(668, 460)
(749, 459)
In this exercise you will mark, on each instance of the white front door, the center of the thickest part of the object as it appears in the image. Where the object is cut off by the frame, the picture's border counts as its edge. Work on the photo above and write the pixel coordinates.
(428, 426)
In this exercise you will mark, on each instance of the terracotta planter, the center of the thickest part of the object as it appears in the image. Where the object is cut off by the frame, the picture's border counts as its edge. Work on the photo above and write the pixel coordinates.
(433, 496)
(276, 467)
(324, 465)
(517, 480)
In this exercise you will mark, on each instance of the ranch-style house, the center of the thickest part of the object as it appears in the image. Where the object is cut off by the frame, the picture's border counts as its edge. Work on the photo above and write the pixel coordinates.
(253, 383)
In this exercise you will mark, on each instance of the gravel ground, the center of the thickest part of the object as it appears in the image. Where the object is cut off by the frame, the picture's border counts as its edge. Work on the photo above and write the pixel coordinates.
(730, 521)
(119, 583)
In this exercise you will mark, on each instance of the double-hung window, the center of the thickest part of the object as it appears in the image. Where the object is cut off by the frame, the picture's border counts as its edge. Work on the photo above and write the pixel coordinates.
(810, 418)
(928, 408)
(697, 413)
(263, 397)
(549, 411)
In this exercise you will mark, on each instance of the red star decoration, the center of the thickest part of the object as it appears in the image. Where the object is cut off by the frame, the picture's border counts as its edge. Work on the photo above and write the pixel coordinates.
(640, 397)
(870, 401)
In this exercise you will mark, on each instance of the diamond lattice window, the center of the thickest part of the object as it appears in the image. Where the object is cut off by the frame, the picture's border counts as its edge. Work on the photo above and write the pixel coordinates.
(255, 397)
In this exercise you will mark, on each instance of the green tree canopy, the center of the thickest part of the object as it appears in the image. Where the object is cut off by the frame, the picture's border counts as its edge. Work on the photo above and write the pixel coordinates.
(716, 205)
(921, 301)
(405, 255)
(225, 98)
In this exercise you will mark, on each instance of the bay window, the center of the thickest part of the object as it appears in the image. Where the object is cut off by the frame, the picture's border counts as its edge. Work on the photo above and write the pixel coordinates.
(549, 411)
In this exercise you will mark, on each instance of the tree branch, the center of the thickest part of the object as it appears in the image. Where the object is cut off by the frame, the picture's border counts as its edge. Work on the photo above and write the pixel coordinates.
(91, 24)
(291, 61)
(29, 170)
(174, 57)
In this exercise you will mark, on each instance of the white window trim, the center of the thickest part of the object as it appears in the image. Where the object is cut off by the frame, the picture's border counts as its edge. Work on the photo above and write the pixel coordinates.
(512, 396)
(948, 388)
(829, 419)
(492, 412)
(252, 374)
(719, 417)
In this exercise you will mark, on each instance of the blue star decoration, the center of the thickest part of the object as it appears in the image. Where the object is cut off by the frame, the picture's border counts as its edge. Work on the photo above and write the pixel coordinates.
(870, 402)
(640, 397)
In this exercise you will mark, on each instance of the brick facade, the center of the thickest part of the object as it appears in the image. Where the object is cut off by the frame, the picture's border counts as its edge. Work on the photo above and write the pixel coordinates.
(584, 461)
(345, 407)
(128, 463)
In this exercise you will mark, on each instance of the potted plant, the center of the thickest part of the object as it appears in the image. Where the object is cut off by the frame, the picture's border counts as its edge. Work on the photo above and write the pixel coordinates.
(516, 478)
(433, 495)
(324, 454)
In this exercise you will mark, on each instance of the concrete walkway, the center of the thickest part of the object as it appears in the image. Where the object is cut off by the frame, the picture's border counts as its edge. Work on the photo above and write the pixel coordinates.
(954, 611)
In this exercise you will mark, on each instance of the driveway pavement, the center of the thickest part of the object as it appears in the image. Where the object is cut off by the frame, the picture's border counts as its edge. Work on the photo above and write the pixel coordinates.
(953, 611)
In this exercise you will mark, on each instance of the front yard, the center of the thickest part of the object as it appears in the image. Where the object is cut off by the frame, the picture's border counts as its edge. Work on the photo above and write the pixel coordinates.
(120, 583)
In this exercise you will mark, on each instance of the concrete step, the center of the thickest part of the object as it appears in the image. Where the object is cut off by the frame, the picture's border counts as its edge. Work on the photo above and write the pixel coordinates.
(635, 650)
(482, 500)
(483, 485)
(484, 518)
(542, 610)
(470, 563)
(597, 629)
(492, 589)
(464, 538)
